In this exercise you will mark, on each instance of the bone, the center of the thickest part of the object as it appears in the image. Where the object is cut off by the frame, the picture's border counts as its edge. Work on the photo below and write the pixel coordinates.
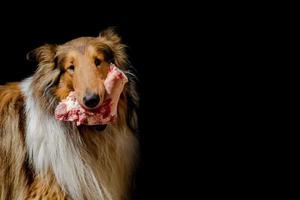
(69, 109)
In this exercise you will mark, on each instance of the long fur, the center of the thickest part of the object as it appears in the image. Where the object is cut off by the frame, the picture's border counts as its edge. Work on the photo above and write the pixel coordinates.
(84, 163)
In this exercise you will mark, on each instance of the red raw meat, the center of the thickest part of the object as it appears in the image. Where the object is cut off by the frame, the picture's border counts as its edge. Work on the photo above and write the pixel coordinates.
(69, 109)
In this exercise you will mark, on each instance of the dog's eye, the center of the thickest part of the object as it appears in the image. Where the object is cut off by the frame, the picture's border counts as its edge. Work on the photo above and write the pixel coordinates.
(97, 62)
(71, 68)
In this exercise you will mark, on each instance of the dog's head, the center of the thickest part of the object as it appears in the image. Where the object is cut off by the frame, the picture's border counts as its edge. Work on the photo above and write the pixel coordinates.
(80, 65)
(83, 65)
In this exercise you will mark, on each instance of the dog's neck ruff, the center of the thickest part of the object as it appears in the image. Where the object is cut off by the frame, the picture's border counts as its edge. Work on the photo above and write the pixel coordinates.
(53, 146)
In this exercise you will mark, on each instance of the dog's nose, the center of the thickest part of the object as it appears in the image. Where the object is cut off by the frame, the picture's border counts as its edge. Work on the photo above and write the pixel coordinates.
(91, 100)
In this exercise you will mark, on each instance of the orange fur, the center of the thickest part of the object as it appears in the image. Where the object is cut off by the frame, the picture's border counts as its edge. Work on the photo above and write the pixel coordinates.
(45, 187)
(13, 170)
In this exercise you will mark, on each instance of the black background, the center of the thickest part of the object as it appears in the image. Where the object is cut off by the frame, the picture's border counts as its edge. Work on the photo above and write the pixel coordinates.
(184, 56)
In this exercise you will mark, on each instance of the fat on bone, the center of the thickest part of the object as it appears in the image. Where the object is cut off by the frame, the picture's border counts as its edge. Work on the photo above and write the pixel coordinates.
(69, 109)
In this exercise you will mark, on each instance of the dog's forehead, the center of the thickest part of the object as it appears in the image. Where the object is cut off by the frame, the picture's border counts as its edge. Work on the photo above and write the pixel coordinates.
(80, 41)
(80, 45)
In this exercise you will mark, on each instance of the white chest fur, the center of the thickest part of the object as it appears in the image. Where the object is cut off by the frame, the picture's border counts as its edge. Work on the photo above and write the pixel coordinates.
(53, 146)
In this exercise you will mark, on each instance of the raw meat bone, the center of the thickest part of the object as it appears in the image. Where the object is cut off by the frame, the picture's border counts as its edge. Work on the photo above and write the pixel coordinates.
(69, 109)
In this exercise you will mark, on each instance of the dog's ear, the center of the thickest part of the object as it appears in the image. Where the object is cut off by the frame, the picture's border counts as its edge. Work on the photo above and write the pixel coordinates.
(110, 35)
(112, 40)
(43, 54)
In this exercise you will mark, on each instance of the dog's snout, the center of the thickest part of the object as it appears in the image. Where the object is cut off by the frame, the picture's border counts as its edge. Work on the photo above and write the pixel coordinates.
(91, 100)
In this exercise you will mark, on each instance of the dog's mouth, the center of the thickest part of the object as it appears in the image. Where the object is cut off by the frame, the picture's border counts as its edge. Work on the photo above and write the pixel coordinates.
(95, 128)
(99, 127)
(94, 109)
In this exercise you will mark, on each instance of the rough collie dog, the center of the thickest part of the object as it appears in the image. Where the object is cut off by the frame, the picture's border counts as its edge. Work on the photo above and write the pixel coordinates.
(43, 158)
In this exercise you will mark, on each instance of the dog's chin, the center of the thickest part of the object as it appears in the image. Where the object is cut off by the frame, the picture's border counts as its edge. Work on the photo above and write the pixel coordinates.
(98, 128)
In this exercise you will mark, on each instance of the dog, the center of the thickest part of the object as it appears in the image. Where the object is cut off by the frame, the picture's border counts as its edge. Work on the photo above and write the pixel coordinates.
(43, 158)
